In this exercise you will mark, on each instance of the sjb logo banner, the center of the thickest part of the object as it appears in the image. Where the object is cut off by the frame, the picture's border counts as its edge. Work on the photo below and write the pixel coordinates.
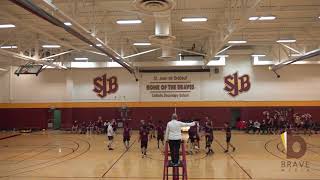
(104, 86)
(235, 85)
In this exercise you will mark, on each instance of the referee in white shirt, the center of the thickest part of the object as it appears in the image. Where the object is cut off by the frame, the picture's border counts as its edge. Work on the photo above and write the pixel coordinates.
(173, 135)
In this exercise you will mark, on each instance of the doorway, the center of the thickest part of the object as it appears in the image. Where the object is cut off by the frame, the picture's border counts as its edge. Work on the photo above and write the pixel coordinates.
(56, 119)
(235, 116)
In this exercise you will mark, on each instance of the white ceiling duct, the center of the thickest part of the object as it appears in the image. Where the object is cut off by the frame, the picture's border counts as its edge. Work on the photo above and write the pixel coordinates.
(166, 53)
(163, 33)
(161, 10)
(154, 5)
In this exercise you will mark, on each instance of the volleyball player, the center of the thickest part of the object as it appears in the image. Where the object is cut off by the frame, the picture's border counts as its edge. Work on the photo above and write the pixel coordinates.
(114, 125)
(83, 127)
(110, 134)
(197, 139)
(74, 128)
(209, 135)
(308, 124)
(270, 125)
(160, 133)
(151, 127)
(98, 125)
(126, 135)
(144, 133)
(192, 137)
(250, 127)
(228, 137)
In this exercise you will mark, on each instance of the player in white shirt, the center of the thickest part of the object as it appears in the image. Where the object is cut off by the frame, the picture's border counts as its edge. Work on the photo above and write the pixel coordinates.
(110, 134)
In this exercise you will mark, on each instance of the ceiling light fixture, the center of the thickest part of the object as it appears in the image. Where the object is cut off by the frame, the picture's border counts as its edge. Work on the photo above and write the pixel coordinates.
(81, 59)
(67, 23)
(258, 55)
(2, 26)
(142, 44)
(132, 21)
(194, 19)
(8, 47)
(51, 46)
(286, 41)
(237, 42)
(295, 55)
(253, 18)
(266, 18)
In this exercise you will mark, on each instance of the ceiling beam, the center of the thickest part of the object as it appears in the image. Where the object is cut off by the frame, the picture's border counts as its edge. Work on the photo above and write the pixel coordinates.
(60, 54)
(221, 38)
(33, 28)
(80, 34)
(29, 59)
(307, 55)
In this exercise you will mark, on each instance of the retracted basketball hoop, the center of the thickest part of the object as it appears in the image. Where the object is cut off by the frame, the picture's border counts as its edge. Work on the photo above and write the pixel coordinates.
(29, 69)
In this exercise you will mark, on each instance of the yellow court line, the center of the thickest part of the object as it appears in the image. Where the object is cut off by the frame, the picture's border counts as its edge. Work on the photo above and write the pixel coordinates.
(163, 104)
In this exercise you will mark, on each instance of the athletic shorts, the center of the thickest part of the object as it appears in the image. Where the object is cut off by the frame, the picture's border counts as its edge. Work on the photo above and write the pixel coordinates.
(144, 144)
(160, 138)
(197, 138)
(126, 139)
(228, 139)
(110, 138)
(192, 139)
(208, 141)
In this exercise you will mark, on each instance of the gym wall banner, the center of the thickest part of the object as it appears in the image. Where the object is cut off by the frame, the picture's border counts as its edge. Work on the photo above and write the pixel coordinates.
(170, 86)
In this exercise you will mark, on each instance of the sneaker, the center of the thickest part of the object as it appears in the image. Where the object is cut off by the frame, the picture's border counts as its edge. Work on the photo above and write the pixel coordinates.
(226, 151)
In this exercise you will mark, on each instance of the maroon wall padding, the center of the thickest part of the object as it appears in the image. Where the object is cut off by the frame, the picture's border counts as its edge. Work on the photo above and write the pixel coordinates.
(252, 113)
(220, 115)
(23, 118)
(38, 118)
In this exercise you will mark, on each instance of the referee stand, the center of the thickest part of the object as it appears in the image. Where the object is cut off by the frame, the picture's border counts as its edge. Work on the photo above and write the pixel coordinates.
(176, 170)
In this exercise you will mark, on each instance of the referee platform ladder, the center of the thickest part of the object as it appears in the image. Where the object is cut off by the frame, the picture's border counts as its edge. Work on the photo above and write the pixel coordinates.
(178, 172)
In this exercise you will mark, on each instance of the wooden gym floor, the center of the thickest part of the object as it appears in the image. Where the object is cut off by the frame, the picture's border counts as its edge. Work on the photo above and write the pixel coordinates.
(64, 156)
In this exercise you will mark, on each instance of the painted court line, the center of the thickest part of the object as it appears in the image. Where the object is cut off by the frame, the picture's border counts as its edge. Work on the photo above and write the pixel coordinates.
(11, 136)
(118, 159)
(234, 160)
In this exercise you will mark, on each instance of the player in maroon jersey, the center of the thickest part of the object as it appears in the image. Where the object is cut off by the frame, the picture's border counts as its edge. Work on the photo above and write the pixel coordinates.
(192, 138)
(209, 135)
(126, 135)
(144, 132)
(228, 137)
(160, 133)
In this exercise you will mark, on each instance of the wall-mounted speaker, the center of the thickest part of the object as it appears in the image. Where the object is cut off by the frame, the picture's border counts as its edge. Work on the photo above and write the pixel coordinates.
(216, 70)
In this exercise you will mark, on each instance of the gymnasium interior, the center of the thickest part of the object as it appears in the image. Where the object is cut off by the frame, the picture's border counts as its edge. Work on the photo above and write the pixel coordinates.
(72, 72)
